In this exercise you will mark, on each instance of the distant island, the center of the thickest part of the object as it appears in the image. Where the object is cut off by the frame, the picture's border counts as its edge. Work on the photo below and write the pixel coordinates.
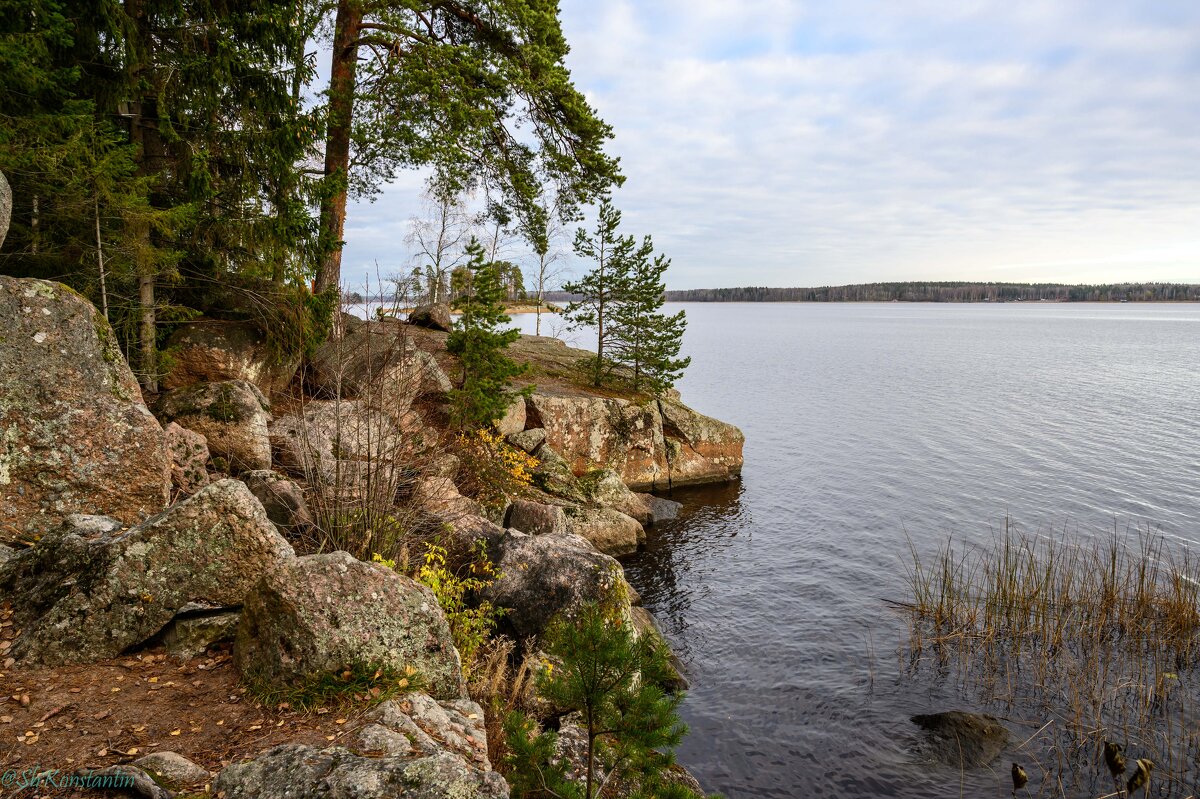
(917, 291)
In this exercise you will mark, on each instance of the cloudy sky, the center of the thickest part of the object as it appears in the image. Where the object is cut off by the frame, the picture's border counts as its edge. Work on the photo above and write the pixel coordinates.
(789, 143)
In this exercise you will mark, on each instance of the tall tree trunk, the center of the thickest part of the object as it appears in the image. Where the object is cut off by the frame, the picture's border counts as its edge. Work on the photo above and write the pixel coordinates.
(342, 75)
(148, 329)
(100, 261)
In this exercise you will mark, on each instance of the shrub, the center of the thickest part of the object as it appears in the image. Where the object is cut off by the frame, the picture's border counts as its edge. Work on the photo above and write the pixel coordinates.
(599, 669)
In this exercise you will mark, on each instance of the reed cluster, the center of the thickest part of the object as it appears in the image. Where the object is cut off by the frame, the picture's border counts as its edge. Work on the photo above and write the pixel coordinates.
(1083, 639)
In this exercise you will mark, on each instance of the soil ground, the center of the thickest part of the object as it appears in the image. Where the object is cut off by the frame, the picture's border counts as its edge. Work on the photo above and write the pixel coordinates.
(88, 717)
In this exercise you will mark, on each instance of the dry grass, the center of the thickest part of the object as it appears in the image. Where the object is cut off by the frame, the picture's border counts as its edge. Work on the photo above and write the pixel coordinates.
(1093, 639)
(501, 684)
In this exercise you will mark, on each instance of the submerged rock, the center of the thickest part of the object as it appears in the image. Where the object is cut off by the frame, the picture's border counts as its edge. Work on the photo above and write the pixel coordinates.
(216, 351)
(324, 613)
(75, 436)
(113, 590)
(232, 416)
(962, 740)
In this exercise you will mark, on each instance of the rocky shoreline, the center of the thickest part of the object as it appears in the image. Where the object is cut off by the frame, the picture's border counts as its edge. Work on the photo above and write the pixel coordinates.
(183, 534)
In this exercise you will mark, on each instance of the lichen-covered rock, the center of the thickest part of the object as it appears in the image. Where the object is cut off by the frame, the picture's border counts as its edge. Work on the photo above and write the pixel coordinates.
(232, 416)
(7, 553)
(172, 770)
(434, 317)
(962, 740)
(700, 449)
(113, 590)
(604, 487)
(294, 771)
(75, 436)
(215, 351)
(513, 421)
(281, 498)
(592, 432)
(189, 458)
(340, 444)
(378, 360)
(554, 476)
(528, 440)
(536, 518)
(609, 531)
(418, 724)
(545, 575)
(323, 613)
(190, 637)
(440, 496)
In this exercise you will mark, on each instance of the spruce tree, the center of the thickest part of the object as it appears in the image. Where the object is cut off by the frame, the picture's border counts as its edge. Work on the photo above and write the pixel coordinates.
(479, 340)
(646, 340)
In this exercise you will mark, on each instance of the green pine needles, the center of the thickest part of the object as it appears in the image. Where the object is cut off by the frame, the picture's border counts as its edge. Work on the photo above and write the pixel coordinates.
(622, 299)
(611, 680)
(479, 340)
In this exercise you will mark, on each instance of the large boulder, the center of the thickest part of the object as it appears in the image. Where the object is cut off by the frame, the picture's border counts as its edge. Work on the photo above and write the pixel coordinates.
(608, 530)
(650, 445)
(233, 416)
(592, 432)
(700, 449)
(215, 351)
(5, 206)
(434, 317)
(962, 740)
(113, 590)
(379, 360)
(324, 613)
(554, 476)
(535, 518)
(189, 458)
(281, 498)
(75, 436)
(513, 420)
(545, 575)
(296, 771)
(339, 444)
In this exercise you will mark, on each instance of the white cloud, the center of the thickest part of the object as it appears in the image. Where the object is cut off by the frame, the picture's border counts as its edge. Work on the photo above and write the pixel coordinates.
(794, 143)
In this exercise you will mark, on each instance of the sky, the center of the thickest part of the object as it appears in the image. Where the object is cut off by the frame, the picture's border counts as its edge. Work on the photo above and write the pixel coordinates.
(789, 143)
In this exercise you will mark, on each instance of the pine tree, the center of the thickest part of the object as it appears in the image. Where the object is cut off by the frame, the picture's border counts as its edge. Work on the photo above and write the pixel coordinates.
(612, 680)
(646, 340)
(604, 287)
(479, 341)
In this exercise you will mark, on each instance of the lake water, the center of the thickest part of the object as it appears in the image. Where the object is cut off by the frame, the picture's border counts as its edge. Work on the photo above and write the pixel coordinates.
(868, 425)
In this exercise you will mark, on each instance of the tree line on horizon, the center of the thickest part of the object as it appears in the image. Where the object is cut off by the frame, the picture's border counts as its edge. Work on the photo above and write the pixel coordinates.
(949, 291)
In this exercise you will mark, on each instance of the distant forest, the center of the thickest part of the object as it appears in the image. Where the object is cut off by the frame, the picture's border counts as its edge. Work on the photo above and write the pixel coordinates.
(949, 292)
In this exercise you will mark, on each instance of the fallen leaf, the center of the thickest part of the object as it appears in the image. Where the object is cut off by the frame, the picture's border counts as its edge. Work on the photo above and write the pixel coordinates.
(340, 721)
(254, 727)
(176, 732)
(102, 753)
(24, 700)
(132, 751)
(153, 679)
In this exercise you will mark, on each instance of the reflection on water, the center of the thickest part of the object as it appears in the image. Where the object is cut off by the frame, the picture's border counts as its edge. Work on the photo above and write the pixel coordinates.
(869, 426)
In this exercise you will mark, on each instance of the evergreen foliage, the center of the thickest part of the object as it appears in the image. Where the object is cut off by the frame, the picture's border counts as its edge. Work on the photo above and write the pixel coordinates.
(647, 341)
(479, 340)
(622, 298)
(599, 669)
